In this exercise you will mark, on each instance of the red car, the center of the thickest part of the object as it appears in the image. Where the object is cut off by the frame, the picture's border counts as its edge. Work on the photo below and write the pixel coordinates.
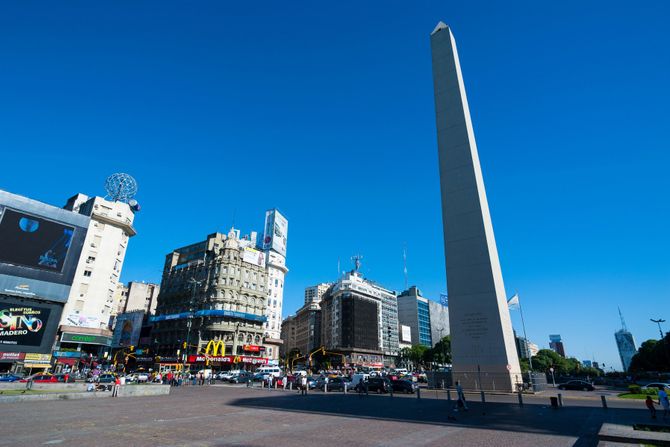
(42, 378)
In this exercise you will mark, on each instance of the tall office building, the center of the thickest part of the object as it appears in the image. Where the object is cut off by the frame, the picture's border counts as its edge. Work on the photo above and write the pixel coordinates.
(625, 344)
(481, 328)
(138, 296)
(556, 344)
(274, 245)
(359, 319)
(428, 320)
(313, 294)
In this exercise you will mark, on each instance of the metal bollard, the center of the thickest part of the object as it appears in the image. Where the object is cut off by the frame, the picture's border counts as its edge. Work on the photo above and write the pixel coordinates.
(520, 399)
(391, 391)
(602, 398)
(345, 387)
(442, 383)
(290, 386)
(560, 400)
(325, 387)
(418, 392)
(483, 397)
(448, 394)
(276, 384)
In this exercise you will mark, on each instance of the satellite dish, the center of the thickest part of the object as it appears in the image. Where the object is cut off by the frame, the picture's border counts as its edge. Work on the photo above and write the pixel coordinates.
(132, 202)
(121, 187)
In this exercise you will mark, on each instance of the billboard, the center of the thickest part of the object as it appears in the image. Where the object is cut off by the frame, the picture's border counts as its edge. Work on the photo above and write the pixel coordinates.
(253, 256)
(127, 329)
(276, 232)
(40, 247)
(81, 320)
(27, 325)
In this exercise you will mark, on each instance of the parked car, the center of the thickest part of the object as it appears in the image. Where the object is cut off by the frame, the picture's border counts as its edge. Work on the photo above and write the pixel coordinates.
(41, 378)
(403, 386)
(576, 385)
(375, 384)
(106, 378)
(8, 377)
(241, 377)
(61, 378)
(336, 384)
(656, 385)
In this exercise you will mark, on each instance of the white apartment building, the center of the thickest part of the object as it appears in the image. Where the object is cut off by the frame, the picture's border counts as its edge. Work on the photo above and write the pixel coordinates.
(313, 294)
(140, 296)
(92, 296)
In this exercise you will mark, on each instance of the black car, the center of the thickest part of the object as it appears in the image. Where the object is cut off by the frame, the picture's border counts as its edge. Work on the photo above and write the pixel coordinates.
(576, 385)
(335, 384)
(375, 384)
(403, 386)
(242, 377)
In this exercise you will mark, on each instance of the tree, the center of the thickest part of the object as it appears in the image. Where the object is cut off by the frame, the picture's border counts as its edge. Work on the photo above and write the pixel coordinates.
(441, 352)
(653, 355)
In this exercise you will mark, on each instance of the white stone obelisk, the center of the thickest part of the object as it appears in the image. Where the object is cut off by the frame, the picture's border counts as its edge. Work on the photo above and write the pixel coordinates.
(483, 350)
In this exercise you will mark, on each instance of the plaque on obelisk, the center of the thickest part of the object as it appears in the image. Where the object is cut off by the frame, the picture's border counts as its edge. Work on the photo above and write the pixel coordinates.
(483, 350)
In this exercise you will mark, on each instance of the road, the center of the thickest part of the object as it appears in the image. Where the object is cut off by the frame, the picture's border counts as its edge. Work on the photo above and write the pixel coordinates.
(223, 415)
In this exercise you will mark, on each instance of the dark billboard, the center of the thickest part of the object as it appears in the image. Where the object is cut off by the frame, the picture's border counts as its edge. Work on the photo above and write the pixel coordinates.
(360, 323)
(40, 247)
(32, 241)
(27, 325)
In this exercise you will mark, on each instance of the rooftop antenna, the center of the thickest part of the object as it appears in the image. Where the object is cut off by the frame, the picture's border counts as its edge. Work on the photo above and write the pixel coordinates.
(338, 267)
(357, 261)
(121, 187)
(623, 323)
(404, 260)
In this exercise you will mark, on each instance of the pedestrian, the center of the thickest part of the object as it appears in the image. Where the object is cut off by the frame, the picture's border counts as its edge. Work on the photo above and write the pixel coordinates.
(117, 385)
(664, 402)
(650, 404)
(67, 377)
(461, 397)
(303, 385)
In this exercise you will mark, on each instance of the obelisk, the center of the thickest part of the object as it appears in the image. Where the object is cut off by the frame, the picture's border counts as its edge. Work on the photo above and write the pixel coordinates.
(483, 350)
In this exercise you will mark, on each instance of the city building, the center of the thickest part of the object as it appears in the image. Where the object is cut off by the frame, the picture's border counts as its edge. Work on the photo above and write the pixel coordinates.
(428, 320)
(625, 344)
(308, 328)
(533, 348)
(139, 296)
(212, 303)
(274, 245)
(587, 363)
(521, 346)
(482, 337)
(313, 294)
(359, 319)
(91, 304)
(556, 344)
(288, 331)
(404, 337)
(40, 249)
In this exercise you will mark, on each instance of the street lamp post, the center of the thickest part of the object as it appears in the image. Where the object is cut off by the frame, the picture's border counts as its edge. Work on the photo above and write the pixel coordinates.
(658, 322)
(189, 321)
(553, 379)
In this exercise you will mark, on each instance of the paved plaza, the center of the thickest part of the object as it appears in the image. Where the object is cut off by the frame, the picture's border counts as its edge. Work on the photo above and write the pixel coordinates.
(238, 416)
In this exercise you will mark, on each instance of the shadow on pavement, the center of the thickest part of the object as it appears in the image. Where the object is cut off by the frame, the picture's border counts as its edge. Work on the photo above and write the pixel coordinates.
(582, 423)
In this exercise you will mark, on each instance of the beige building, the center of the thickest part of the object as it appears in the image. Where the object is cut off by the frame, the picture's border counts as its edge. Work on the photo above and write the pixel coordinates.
(314, 294)
(139, 296)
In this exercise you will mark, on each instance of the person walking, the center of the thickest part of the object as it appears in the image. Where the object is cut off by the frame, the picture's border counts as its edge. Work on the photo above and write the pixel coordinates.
(117, 385)
(461, 397)
(303, 385)
(650, 404)
(664, 402)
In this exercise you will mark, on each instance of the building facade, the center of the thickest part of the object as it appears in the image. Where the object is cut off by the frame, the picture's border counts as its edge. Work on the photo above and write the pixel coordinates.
(140, 296)
(288, 330)
(428, 320)
(313, 294)
(359, 319)
(214, 291)
(556, 344)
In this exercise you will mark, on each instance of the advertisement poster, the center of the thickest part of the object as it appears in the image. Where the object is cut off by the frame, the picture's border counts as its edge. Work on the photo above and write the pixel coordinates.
(81, 320)
(127, 329)
(32, 241)
(253, 257)
(22, 325)
(276, 232)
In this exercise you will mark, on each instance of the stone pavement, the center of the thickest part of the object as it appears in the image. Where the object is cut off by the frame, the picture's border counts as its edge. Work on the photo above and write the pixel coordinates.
(238, 416)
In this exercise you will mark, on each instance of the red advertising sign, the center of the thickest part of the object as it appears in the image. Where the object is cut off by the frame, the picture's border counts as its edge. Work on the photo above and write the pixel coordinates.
(252, 348)
(227, 359)
(12, 355)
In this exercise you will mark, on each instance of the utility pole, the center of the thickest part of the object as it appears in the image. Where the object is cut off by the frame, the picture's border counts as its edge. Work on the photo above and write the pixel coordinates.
(658, 322)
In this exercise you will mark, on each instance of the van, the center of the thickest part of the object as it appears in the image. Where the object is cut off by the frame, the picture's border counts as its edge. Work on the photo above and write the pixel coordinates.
(358, 378)
(274, 371)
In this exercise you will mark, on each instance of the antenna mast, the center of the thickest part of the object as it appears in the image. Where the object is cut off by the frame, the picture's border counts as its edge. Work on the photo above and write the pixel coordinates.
(404, 261)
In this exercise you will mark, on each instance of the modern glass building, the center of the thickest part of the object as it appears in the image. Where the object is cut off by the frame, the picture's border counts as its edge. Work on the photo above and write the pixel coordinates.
(423, 319)
(428, 320)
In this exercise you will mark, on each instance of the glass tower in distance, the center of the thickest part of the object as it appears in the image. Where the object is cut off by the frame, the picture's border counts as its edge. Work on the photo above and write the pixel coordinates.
(625, 343)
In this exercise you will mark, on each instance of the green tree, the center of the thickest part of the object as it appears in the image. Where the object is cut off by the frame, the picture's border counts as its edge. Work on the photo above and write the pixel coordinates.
(441, 352)
(653, 355)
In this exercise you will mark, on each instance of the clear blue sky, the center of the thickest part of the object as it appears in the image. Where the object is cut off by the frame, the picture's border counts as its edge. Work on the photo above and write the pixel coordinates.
(325, 111)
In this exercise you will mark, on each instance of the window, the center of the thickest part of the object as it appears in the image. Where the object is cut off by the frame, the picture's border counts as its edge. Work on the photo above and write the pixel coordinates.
(87, 273)
(90, 259)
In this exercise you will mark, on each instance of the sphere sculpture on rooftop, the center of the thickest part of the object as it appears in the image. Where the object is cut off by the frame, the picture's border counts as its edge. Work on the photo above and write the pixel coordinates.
(121, 187)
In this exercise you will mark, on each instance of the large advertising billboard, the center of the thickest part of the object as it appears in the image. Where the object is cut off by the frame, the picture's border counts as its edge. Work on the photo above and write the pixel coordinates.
(276, 232)
(253, 256)
(127, 329)
(27, 325)
(40, 247)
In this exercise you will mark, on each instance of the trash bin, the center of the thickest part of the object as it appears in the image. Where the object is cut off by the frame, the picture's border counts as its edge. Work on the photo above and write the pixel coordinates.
(554, 402)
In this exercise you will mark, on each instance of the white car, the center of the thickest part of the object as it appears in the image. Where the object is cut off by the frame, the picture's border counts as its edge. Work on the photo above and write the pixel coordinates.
(656, 385)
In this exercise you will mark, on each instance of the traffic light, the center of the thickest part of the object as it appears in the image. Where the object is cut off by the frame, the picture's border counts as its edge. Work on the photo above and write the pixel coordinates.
(184, 345)
(132, 348)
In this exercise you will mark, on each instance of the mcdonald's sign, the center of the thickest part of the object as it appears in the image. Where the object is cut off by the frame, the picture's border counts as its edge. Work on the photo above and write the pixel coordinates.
(214, 347)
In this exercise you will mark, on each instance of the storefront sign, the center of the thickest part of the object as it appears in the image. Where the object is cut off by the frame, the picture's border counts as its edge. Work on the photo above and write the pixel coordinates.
(37, 360)
(254, 348)
(10, 356)
(162, 359)
(22, 325)
(228, 359)
(70, 354)
(69, 337)
(144, 359)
